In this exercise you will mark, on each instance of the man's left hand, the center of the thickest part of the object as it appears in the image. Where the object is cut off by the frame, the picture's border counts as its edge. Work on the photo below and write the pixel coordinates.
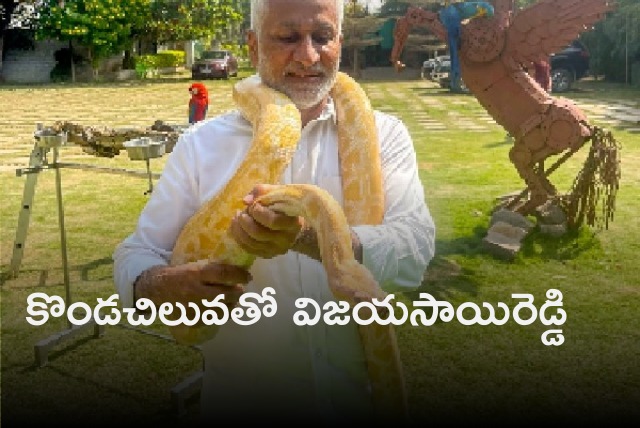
(262, 231)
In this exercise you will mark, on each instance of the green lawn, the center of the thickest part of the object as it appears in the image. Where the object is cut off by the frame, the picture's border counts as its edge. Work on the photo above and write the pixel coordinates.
(455, 373)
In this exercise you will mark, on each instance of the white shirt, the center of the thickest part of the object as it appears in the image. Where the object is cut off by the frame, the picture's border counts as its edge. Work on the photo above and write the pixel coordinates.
(274, 365)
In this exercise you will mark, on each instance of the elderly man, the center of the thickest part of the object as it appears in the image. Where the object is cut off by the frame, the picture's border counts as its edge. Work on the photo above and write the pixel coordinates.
(274, 369)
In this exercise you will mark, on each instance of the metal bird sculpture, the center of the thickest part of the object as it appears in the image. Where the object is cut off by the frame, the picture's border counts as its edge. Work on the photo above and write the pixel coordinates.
(494, 53)
(452, 17)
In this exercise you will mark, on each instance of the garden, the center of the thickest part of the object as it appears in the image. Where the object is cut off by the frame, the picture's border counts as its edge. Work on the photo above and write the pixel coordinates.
(455, 373)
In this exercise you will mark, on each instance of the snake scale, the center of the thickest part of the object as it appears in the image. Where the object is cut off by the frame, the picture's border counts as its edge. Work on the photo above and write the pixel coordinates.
(276, 128)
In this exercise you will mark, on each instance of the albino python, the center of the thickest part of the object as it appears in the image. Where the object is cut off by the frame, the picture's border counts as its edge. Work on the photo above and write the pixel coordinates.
(276, 129)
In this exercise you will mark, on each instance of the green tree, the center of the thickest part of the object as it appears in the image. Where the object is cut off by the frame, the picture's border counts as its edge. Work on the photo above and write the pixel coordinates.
(173, 20)
(104, 27)
(614, 42)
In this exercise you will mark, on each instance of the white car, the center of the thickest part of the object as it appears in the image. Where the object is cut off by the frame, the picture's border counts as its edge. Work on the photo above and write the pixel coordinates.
(441, 70)
(429, 65)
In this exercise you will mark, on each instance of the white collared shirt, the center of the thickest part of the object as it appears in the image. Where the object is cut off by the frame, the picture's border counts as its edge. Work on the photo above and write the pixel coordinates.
(313, 369)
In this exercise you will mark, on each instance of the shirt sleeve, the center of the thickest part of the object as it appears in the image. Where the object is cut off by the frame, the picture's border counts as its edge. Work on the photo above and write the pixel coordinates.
(398, 251)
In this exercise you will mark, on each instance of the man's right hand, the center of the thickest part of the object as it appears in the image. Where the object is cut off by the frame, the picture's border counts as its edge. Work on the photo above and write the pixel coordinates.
(191, 282)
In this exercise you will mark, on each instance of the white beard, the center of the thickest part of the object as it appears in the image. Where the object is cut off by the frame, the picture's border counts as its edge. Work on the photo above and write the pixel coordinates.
(303, 96)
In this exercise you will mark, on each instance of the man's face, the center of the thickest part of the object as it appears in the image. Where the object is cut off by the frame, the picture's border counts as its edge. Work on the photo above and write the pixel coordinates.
(298, 49)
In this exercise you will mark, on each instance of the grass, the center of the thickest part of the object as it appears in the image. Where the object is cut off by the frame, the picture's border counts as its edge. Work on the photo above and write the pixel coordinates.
(455, 373)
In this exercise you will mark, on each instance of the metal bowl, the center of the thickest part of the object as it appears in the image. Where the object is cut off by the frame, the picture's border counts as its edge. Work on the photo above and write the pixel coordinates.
(49, 140)
(144, 148)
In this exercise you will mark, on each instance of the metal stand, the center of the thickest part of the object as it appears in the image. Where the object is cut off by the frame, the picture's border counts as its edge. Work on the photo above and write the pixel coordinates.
(186, 389)
(149, 175)
(38, 162)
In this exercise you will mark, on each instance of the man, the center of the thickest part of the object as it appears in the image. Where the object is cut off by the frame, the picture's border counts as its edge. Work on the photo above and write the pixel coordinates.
(275, 370)
(542, 74)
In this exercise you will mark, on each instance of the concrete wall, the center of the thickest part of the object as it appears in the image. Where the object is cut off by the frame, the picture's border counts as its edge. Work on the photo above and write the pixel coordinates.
(31, 66)
(34, 66)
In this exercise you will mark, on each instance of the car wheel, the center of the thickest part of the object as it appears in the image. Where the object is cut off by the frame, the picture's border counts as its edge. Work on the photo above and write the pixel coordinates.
(561, 79)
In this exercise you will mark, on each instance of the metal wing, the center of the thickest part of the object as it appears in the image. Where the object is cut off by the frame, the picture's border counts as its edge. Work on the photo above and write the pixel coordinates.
(549, 26)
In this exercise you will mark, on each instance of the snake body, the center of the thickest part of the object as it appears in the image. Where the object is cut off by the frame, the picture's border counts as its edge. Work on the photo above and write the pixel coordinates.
(276, 128)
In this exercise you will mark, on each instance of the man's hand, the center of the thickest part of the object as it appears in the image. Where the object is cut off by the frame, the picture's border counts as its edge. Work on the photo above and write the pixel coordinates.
(191, 282)
(262, 231)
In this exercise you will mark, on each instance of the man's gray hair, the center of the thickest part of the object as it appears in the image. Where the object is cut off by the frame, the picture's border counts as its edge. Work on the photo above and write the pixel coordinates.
(259, 8)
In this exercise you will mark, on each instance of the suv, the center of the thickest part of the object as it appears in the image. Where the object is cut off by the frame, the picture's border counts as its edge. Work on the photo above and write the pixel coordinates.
(569, 65)
(215, 63)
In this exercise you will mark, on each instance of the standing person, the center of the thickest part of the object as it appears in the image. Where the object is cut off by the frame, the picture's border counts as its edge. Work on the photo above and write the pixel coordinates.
(542, 74)
(274, 370)
(198, 103)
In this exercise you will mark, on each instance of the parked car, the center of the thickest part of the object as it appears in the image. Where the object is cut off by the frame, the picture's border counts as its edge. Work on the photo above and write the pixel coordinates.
(429, 65)
(215, 64)
(441, 70)
(569, 65)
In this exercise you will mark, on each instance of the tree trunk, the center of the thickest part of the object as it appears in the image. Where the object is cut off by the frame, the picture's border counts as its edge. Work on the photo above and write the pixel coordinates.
(94, 65)
(73, 63)
(355, 62)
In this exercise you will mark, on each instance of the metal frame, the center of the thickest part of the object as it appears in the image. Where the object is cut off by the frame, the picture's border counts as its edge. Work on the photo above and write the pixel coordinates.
(38, 162)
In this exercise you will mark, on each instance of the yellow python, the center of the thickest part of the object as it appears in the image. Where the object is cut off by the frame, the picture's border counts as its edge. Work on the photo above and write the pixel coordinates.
(276, 129)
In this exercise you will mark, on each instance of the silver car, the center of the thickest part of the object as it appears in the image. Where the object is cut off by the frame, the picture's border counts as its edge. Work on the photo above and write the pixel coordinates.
(430, 65)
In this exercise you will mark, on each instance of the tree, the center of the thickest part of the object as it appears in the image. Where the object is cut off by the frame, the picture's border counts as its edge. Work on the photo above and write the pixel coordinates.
(104, 27)
(14, 13)
(614, 42)
(359, 31)
(16, 23)
(174, 21)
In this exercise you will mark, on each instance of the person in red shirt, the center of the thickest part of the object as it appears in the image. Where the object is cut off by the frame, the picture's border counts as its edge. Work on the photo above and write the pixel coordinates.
(542, 74)
(199, 102)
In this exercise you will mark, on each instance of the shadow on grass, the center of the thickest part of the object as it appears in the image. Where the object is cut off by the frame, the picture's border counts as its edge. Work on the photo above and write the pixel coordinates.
(437, 92)
(570, 246)
(37, 278)
(445, 277)
(88, 267)
(504, 142)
